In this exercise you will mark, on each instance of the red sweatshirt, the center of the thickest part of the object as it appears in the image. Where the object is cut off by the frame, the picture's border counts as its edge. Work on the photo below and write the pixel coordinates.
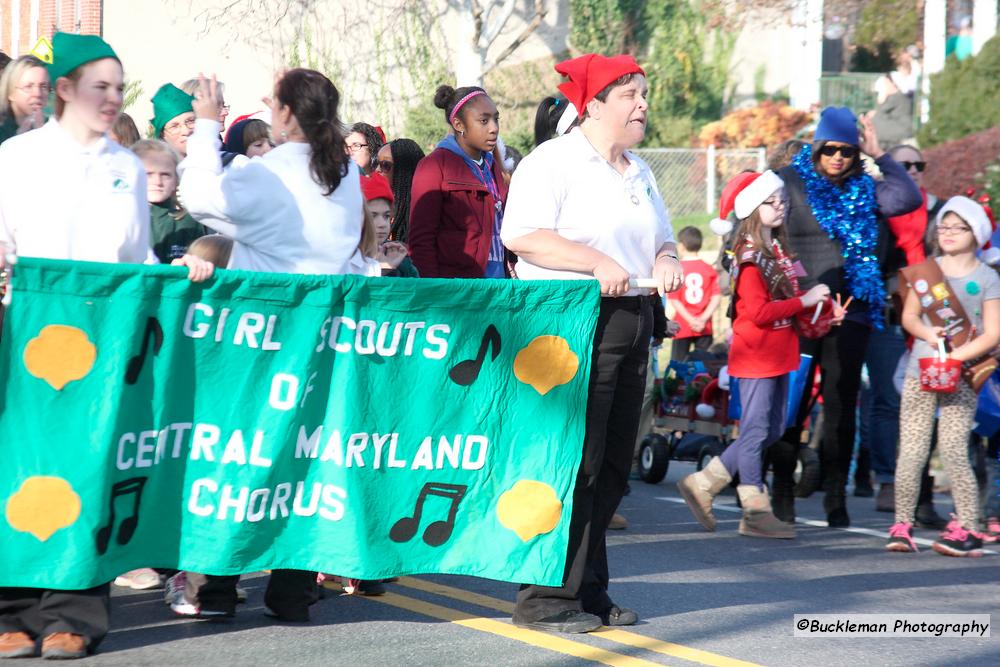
(764, 341)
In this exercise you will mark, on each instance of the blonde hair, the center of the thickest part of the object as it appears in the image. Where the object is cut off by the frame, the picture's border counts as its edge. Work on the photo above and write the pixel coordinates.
(214, 248)
(12, 74)
(369, 237)
(145, 147)
(191, 87)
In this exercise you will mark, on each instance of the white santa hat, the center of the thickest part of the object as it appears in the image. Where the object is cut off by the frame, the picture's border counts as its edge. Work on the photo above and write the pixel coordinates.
(742, 195)
(974, 215)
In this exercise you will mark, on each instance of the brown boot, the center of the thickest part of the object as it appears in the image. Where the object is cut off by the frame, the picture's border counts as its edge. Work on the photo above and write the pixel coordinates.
(64, 646)
(618, 522)
(16, 645)
(758, 520)
(698, 489)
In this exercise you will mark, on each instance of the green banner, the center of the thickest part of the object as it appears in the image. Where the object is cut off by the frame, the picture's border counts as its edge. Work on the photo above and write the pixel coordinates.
(361, 427)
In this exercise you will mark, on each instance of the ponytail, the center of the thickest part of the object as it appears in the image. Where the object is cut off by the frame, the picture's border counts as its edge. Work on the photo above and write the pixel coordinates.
(313, 100)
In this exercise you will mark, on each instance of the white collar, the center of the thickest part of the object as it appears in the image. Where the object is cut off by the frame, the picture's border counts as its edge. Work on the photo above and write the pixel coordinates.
(102, 145)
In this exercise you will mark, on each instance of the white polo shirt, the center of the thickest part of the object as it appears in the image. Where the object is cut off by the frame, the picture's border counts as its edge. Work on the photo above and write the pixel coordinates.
(566, 186)
(62, 200)
(274, 210)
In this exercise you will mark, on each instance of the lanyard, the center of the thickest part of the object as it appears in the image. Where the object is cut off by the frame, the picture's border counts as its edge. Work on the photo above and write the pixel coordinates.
(486, 175)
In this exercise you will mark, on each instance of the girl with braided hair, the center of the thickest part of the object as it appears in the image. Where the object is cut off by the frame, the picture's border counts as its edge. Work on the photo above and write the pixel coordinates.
(397, 161)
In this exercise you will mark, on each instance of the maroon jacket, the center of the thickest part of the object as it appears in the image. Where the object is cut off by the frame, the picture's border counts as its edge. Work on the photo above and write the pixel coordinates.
(451, 217)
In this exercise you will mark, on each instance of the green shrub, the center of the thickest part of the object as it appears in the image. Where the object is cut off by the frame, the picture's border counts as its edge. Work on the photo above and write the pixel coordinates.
(962, 96)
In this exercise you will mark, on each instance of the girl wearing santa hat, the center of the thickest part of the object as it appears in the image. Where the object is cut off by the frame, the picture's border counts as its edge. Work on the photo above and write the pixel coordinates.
(962, 312)
(583, 207)
(764, 352)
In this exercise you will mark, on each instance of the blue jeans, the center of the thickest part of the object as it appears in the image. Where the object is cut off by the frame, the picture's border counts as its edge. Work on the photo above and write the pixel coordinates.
(882, 410)
(764, 402)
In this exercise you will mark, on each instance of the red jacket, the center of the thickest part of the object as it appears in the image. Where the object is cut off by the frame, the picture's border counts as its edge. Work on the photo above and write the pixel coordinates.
(764, 341)
(451, 217)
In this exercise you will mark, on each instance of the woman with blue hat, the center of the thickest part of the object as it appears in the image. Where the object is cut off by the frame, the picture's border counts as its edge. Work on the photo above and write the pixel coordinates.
(836, 226)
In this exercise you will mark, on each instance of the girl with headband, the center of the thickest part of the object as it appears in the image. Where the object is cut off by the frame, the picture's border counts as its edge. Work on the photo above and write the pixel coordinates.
(459, 192)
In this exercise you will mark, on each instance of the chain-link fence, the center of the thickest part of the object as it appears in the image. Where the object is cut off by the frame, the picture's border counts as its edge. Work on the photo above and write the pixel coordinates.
(691, 179)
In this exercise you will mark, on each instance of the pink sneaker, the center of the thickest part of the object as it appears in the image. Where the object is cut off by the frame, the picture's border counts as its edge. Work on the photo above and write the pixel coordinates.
(992, 533)
(959, 541)
(901, 538)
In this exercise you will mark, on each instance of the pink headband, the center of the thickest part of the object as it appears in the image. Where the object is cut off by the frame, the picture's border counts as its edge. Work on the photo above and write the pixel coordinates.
(461, 103)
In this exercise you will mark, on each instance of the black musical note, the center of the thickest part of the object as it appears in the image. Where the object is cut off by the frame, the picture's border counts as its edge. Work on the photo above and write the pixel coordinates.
(127, 528)
(438, 532)
(465, 372)
(154, 330)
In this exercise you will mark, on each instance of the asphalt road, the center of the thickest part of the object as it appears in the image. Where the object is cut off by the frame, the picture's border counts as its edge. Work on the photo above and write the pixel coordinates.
(711, 599)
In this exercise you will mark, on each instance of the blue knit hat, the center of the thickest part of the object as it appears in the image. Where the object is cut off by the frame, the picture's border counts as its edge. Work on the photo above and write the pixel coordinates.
(837, 124)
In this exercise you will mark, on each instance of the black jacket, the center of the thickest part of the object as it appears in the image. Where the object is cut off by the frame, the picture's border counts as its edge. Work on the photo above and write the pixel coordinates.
(820, 255)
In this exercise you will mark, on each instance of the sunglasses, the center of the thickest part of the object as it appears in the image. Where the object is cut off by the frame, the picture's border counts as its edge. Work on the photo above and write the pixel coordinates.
(382, 165)
(919, 165)
(847, 152)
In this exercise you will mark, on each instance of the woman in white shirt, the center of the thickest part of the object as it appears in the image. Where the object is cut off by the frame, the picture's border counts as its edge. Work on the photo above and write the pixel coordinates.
(582, 207)
(297, 209)
(67, 191)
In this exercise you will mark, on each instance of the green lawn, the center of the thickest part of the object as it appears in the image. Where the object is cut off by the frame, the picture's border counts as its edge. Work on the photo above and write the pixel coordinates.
(700, 220)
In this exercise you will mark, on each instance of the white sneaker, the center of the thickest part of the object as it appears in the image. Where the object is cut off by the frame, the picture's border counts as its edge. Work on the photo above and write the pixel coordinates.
(173, 589)
(140, 580)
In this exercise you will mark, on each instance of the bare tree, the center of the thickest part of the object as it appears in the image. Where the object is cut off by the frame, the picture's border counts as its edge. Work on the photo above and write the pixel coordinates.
(483, 22)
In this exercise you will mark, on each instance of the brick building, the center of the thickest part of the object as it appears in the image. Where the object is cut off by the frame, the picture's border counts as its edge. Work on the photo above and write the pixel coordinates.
(22, 22)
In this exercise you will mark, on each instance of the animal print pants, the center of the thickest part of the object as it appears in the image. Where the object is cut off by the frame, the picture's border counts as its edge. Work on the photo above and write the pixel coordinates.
(954, 424)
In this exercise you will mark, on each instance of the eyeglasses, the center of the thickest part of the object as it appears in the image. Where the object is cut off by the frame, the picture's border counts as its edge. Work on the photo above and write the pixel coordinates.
(42, 88)
(919, 165)
(847, 152)
(174, 128)
(354, 148)
(952, 230)
(224, 107)
(384, 166)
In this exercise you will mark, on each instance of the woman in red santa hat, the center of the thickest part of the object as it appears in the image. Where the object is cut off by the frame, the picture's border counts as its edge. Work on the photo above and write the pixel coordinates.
(582, 207)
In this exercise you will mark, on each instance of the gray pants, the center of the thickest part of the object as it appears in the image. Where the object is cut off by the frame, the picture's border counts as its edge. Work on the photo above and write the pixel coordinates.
(763, 403)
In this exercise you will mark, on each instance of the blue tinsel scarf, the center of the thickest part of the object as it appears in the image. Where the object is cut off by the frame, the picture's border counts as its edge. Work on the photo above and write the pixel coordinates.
(847, 215)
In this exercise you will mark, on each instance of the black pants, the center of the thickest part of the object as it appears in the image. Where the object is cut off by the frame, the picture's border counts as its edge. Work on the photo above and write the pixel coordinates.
(680, 348)
(840, 354)
(289, 592)
(39, 612)
(617, 383)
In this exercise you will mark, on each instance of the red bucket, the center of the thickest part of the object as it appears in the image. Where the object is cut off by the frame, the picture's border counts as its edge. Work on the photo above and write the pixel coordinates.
(940, 374)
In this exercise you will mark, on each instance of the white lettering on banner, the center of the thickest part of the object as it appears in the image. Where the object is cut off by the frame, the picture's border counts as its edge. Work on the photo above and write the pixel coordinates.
(239, 504)
(249, 327)
(385, 339)
(284, 391)
(208, 442)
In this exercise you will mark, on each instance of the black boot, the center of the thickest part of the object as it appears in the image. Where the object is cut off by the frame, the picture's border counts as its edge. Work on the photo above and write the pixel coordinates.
(783, 457)
(927, 517)
(836, 510)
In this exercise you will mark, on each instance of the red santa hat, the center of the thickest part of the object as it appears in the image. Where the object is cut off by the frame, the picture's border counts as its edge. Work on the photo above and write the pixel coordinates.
(376, 186)
(742, 195)
(590, 74)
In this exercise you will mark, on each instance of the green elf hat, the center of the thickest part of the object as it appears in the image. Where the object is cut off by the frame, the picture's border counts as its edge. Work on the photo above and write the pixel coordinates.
(169, 102)
(70, 51)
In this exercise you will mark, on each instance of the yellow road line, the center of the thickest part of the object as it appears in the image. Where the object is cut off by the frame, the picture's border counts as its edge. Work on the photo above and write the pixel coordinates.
(532, 637)
(618, 636)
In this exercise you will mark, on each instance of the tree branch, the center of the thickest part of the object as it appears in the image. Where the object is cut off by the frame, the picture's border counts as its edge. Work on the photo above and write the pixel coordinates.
(477, 21)
(539, 16)
(494, 27)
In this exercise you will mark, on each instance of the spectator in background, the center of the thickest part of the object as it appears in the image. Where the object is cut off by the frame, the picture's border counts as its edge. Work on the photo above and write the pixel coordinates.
(124, 131)
(554, 117)
(4, 60)
(25, 88)
(397, 161)
(250, 137)
(363, 144)
(192, 86)
(893, 117)
(173, 119)
(908, 70)
(694, 304)
(459, 193)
